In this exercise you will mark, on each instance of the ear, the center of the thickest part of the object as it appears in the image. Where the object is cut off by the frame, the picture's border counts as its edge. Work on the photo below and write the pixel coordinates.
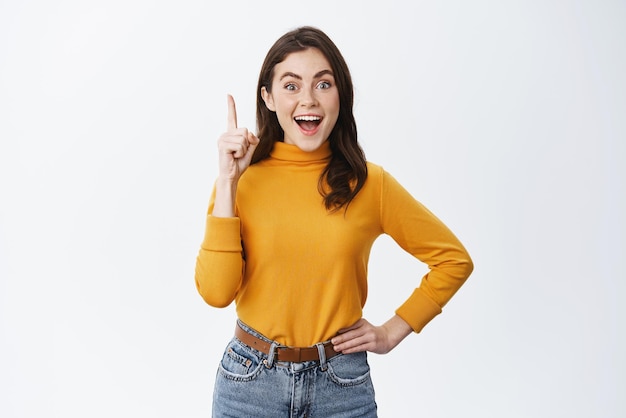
(268, 99)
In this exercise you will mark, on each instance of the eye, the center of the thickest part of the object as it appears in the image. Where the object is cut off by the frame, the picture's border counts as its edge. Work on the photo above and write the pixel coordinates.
(290, 87)
(323, 85)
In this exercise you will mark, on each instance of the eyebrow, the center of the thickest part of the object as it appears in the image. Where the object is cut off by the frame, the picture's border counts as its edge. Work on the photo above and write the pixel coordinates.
(317, 75)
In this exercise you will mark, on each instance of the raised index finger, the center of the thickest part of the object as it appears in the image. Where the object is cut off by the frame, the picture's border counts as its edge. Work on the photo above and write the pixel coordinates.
(232, 114)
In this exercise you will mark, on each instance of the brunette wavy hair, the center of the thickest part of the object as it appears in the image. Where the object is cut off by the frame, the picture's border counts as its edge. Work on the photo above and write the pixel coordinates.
(346, 171)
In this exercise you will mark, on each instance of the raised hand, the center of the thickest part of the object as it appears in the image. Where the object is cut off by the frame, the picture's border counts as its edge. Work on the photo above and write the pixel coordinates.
(235, 147)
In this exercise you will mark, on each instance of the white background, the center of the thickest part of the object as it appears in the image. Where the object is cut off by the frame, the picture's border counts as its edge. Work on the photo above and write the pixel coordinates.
(506, 118)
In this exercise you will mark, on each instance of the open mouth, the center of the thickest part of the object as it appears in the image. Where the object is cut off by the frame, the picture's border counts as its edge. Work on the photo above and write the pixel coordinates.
(308, 122)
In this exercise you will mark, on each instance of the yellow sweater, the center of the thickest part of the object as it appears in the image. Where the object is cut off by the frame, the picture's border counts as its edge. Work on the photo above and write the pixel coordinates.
(299, 273)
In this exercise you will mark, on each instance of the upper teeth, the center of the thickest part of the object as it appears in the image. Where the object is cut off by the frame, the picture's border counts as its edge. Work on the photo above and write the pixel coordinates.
(308, 118)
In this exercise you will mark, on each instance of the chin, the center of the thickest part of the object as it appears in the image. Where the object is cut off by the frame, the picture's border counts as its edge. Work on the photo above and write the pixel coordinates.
(308, 146)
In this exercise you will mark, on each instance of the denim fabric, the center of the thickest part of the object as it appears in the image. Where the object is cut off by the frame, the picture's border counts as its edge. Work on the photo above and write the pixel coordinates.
(252, 384)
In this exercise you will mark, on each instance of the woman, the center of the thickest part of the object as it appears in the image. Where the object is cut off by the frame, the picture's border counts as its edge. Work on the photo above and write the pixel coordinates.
(291, 222)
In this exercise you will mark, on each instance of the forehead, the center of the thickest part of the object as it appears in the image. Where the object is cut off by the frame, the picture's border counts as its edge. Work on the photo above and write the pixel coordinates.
(305, 63)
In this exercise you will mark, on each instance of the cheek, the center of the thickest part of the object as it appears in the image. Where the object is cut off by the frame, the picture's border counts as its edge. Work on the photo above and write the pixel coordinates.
(332, 123)
(334, 112)
(284, 108)
(283, 116)
(332, 104)
(284, 119)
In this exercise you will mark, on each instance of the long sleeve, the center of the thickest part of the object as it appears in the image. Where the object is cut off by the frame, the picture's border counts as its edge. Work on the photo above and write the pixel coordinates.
(219, 265)
(297, 272)
(423, 235)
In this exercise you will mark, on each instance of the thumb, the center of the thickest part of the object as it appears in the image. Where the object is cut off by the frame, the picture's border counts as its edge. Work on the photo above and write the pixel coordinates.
(253, 140)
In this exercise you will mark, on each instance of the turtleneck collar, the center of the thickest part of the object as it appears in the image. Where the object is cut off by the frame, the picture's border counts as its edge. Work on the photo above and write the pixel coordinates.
(288, 152)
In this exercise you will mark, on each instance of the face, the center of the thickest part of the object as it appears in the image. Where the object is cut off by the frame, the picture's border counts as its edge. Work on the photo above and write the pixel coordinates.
(305, 98)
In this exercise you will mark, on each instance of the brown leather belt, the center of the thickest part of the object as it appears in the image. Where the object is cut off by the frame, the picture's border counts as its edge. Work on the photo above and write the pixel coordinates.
(292, 354)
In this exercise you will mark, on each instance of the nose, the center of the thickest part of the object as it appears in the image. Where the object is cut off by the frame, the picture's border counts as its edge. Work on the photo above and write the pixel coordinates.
(308, 98)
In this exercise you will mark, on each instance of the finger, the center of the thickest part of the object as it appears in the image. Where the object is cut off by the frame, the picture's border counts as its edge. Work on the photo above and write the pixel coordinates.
(353, 345)
(235, 138)
(356, 349)
(232, 114)
(252, 143)
(346, 337)
(237, 148)
(253, 139)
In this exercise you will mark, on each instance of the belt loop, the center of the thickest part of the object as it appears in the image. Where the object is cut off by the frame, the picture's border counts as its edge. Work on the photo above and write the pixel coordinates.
(322, 353)
(270, 356)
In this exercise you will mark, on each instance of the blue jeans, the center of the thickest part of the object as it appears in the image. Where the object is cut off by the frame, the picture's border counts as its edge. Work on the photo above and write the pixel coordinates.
(250, 383)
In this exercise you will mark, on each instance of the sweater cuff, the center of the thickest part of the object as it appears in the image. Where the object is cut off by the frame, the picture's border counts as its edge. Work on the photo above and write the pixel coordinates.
(418, 310)
(222, 234)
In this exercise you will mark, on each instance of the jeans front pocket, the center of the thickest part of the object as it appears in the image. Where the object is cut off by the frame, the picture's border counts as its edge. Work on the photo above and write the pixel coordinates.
(239, 362)
(349, 369)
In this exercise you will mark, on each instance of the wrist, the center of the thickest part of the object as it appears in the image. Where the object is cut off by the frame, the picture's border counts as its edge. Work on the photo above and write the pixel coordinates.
(226, 181)
(225, 192)
(397, 330)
